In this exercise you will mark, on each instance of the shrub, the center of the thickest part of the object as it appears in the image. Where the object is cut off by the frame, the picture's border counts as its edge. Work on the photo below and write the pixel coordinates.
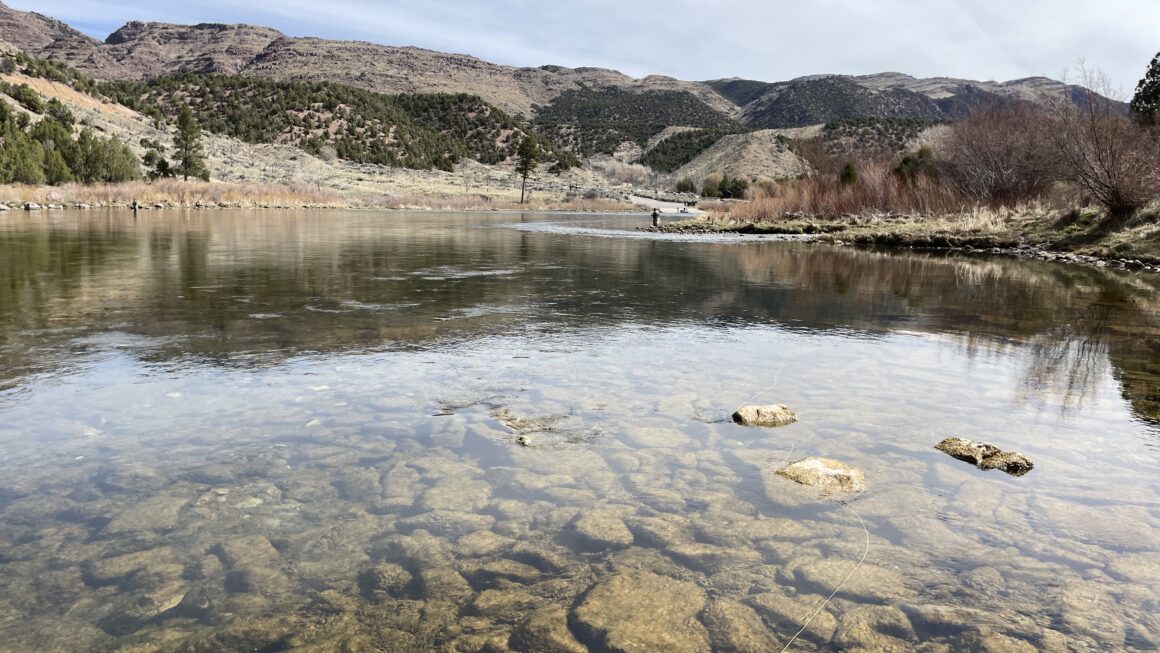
(711, 186)
(27, 97)
(999, 154)
(849, 174)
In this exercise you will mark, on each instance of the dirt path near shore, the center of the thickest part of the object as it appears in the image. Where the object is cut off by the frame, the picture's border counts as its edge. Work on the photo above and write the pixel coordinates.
(664, 207)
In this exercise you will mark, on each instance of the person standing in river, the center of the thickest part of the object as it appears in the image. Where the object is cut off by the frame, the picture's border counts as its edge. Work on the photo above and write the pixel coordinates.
(656, 217)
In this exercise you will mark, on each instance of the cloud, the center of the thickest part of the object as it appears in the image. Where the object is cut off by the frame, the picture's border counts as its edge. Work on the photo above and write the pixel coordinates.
(772, 40)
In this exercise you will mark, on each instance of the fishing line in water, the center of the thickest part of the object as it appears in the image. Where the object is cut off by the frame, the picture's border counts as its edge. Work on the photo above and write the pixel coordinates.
(865, 531)
(771, 386)
(824, 603)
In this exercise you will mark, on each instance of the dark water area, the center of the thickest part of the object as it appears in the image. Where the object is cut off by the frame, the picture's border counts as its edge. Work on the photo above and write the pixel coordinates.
(306, 431)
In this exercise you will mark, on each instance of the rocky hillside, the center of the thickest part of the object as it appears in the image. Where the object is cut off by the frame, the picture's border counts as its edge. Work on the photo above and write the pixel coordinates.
(828, 98)
(598, 121)
(143, 50)
(420, 131)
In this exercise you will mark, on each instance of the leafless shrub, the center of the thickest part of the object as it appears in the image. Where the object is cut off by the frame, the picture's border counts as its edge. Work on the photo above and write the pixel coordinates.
(1107, 155)
(877, 189)
(998, 155)
(624, 173)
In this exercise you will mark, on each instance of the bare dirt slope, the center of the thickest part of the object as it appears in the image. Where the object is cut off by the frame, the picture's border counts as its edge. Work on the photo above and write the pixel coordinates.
(746, 155)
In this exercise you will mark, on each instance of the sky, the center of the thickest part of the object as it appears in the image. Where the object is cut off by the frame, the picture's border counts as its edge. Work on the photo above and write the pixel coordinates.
(770, 40)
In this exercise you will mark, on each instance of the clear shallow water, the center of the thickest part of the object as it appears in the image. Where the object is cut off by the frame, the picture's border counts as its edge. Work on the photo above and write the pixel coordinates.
(268, 431)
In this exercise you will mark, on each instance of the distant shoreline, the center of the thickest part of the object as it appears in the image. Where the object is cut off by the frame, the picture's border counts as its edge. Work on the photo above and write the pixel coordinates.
(1070, 237)
(197, 195)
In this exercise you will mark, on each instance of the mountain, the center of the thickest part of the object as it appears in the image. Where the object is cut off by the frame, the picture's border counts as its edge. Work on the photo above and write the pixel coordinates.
(589, 111)
(145, 50)
(819, 99)
(141, 50)
(814, 101)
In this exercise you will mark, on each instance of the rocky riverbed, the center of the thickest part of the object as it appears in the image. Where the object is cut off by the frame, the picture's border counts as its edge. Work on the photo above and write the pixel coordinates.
(374, 527)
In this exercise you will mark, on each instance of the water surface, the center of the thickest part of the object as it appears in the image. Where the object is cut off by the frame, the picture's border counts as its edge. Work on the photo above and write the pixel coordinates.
(302, 431)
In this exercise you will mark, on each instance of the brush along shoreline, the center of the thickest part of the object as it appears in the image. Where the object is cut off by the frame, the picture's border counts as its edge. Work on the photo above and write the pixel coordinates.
(1078, 236)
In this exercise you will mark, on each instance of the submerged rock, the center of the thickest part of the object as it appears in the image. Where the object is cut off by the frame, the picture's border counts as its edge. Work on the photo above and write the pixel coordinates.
(826, 474)
(791, 613)
(382, 581)
(546, 631)
(776, 415)
(737, 628)
(865, 583)
(600, 529)
(875, 628)
(986, 456)
(641, 612)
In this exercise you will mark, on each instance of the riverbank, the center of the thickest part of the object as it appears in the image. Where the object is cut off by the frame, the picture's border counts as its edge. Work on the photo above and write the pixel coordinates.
(1079, 236)
(173, 194)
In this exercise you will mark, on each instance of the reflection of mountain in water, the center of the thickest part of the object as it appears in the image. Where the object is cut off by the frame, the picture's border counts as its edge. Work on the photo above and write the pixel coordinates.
(247, 288)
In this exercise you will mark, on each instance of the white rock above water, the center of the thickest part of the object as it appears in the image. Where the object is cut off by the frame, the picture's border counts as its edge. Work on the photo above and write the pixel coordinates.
(826, 474)
(770, 416)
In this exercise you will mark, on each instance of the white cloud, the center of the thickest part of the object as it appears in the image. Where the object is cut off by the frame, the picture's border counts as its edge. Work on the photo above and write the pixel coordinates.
(772, 40)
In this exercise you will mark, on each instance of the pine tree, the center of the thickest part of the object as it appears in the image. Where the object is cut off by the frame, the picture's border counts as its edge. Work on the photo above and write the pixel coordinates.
(1146, 103)
(56, 171)
(526, 159)
(187, 147)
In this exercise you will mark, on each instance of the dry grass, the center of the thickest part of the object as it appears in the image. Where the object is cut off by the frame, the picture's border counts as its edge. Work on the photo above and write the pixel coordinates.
(485, 203)
(877, 190)
(171, 191)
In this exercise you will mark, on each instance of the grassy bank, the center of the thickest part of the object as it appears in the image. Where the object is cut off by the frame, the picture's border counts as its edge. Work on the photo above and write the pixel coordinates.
(172, 193)
(1080, 234)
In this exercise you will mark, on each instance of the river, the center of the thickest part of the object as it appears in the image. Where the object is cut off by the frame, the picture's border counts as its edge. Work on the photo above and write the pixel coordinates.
(349, 431)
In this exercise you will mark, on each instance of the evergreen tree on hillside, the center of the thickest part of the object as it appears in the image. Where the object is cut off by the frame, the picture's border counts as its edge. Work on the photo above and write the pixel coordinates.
(187, 148)
(56, 170)
(526, 159)
(1146, 103)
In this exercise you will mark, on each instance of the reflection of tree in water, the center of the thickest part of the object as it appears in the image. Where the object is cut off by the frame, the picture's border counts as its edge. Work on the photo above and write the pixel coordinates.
(1069, 361)
(255, 289)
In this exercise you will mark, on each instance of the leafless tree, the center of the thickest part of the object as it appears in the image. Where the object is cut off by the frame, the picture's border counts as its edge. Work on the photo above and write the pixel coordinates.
(1102, 151)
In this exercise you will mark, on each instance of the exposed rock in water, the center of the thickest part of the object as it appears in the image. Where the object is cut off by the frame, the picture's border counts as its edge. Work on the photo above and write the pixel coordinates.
(641, 612)
(776, 415)
(826, 474)
(986, 456)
